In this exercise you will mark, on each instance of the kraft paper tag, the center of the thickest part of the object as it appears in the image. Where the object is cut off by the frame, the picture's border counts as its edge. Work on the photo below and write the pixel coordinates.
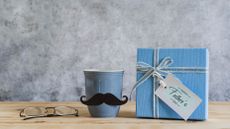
(177, 96)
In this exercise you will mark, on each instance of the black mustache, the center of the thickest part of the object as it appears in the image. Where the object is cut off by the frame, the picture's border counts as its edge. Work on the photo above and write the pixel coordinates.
(107, 98)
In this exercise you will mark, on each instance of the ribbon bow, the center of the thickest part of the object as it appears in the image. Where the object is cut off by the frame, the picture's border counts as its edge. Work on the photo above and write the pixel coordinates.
(159, 71)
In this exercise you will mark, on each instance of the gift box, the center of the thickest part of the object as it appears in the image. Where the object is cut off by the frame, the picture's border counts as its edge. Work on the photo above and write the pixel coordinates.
(148, 105)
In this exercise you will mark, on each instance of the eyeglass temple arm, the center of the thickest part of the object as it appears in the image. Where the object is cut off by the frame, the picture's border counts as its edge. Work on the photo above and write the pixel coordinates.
(76, 112)
(27, 118)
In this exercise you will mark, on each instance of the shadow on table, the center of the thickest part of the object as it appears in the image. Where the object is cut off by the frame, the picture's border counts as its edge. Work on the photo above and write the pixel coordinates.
(127, 114)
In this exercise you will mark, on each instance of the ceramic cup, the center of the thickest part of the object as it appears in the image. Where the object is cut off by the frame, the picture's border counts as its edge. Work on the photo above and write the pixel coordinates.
(104, 82)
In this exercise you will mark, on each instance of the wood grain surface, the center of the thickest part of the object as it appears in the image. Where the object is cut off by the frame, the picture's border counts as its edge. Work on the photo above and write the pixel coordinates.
(219, 118)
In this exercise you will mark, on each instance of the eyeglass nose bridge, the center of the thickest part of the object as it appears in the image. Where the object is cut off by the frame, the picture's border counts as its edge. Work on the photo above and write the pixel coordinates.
(49, 109)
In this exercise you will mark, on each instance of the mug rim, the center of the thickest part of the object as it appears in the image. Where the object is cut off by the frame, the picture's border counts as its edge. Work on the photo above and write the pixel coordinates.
(102, 70)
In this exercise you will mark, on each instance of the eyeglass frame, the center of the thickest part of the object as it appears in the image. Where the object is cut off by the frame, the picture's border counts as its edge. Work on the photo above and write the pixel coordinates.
(48, 114)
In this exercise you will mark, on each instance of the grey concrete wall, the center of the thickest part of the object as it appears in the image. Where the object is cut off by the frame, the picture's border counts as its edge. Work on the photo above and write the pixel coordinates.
(46, 44)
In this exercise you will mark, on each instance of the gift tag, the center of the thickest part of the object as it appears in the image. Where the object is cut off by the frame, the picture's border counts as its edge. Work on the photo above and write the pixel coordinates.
(177, 96)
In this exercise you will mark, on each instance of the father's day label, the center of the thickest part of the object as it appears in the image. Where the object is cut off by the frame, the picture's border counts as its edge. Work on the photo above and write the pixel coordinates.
(177, 96)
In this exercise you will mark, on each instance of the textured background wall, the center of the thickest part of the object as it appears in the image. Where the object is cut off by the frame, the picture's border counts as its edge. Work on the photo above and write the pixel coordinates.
(46, 44)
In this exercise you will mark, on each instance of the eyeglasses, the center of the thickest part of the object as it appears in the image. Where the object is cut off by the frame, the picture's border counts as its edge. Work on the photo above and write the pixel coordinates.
(35, 112)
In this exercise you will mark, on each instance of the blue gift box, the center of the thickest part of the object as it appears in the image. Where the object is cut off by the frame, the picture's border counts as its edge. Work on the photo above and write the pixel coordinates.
(148, 105)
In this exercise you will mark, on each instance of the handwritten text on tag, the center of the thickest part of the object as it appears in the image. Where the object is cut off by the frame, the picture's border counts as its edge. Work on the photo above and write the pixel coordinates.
(177, 96)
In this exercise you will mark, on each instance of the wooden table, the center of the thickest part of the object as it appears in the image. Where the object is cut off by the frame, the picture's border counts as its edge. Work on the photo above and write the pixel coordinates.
(219, 118)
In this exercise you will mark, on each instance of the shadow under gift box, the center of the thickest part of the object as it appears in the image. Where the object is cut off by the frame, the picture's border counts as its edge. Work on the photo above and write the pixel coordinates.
(103, 81)
(196, 82)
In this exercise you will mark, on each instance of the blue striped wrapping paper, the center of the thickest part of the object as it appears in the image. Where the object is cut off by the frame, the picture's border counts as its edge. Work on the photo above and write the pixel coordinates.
(196, 82)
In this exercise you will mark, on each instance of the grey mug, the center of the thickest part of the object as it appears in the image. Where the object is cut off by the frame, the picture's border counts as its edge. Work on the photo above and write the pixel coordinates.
(106, 87)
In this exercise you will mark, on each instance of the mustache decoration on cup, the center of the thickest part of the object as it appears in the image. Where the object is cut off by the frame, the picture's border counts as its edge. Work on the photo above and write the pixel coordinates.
(107, 98)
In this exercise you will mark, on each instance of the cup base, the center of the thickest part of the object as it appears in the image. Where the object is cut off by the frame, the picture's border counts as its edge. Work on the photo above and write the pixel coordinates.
(106, 116)
(104, 111)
